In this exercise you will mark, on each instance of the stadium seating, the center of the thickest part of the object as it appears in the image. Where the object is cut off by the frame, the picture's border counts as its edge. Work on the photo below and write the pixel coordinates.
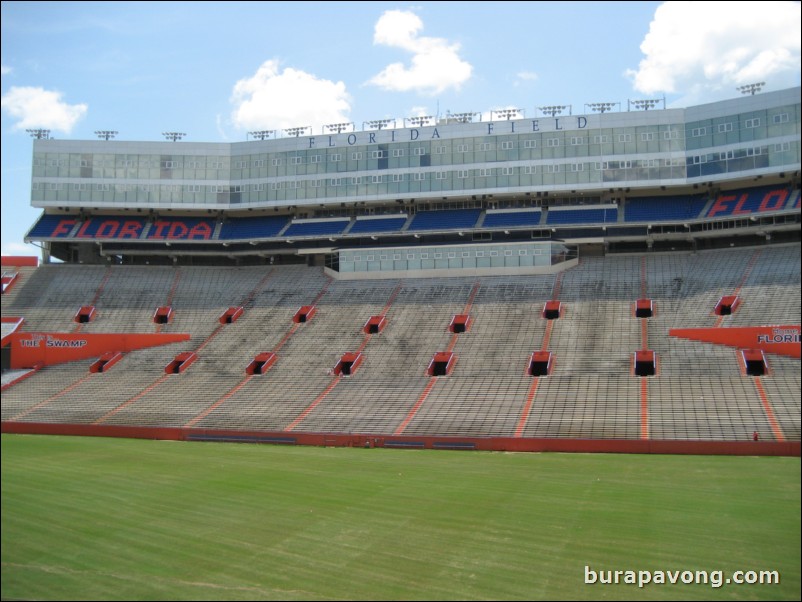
(652, 209)
(452, 219)
(574, 215)
(250, 228)
(512, 219)
(376, 225)
(699, 391)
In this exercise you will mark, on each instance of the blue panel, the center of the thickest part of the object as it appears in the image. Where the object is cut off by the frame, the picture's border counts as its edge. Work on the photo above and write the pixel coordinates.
(651, 209)
(252, 227)
(512, 219)
(316, 228)
(365, 226)
(47, 225)
(583, 216)
(445, 220)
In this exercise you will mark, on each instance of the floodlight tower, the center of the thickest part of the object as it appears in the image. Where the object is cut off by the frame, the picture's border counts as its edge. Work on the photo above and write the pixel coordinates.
(553, 110)
(751, 88)
(378, 124)
(39, 134)
(419, 121)
(106, 134)
(601, 107)
(262, 134)
(297, 131)
(645, 104)
(173, 136)
(462, 117)
(339, 128)
(506, 113)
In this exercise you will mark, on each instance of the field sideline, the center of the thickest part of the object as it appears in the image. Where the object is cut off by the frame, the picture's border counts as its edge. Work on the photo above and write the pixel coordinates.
(93, 518)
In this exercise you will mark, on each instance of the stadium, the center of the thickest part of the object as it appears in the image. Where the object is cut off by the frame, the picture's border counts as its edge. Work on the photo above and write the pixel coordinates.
(615, 281)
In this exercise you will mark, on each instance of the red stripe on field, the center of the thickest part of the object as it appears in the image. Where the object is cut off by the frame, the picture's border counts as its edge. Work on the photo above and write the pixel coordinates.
(219, 402)
(139, 395)
(416, 407)
(64, 391)
(313, 405)
(764, 399)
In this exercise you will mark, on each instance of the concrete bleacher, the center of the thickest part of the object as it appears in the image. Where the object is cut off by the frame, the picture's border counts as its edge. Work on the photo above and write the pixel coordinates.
(698, 393)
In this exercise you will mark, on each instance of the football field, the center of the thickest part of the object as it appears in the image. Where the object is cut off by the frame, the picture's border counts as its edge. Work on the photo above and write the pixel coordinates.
(118, 519)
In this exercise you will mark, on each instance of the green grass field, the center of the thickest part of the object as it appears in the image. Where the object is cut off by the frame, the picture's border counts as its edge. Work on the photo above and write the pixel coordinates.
(91, 518)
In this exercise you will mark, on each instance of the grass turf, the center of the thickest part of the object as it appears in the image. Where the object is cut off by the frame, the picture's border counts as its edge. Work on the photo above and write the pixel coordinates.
(91, 518)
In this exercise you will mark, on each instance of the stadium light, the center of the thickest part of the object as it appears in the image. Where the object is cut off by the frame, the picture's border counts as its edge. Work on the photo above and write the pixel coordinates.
(462, 117)
(553, 110)
(377, 124)
(751, 88)
(106, 134)
(601, 107)
(419, 121)
(261, 134)
(173, 136)
(338, 127)
(506, 113)
(645, 104)
(39, 134)
(297, 131)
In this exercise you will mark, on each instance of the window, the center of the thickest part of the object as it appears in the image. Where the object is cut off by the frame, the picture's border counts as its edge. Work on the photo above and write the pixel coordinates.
(530, 143)
(293, 184)
(752, 123)
(259, 163)
(577, 140)
(314, 159)
(463, 148)
(438, 255)
(778, 148)
(507, 253)
(397, 256)
(670, 134)
(625, 137)
(376, 179)
(452, 255)
(241, 165)
(356, 181)
(275, 186)
(398, 177)
(418, 177)
(336, 182)
(553, 142)
(317, 183)
(602, 139)
(276, 162)
(698, 159)
(356, 156)
(552, 168)
(216, 165)
(441, 175)
(521, 252)
(378, 154)
(85, 163)
(239, 188)
(439, 150)
(530, 169)
(647, 136)
(781, 118)
(726, 155)
(334, 157)
(398, 152)
(168, 164)
(507, 171)
(296, 160)
(483, 173)
(465, 254)
(257, 187)
(463, 173)
(577, 166)
(424, 256)
(507, 145)
(649, 163)
(99, 187)
(724, 127)
(485, 146)
(79, 187)
(419, 151)
(696, 132)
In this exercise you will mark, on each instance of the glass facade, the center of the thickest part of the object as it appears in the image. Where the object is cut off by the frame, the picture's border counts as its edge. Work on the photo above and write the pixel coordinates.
(645, 148)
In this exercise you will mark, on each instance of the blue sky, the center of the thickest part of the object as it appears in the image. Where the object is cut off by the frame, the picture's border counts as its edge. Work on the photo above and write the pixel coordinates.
(218, 70)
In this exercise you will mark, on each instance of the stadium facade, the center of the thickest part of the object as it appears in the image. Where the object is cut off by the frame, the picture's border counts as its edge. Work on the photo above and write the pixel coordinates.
(615, 180)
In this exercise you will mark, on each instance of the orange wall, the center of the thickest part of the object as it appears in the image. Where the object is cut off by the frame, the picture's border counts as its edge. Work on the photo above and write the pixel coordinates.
(782, 340)
(47, 348)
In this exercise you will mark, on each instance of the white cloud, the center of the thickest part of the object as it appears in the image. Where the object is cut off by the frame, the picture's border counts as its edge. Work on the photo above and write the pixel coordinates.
(5, 69)
(523, 77)
(704, 49)
(18, 248)
(435, 65)
(40, 108)
(276, 99)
